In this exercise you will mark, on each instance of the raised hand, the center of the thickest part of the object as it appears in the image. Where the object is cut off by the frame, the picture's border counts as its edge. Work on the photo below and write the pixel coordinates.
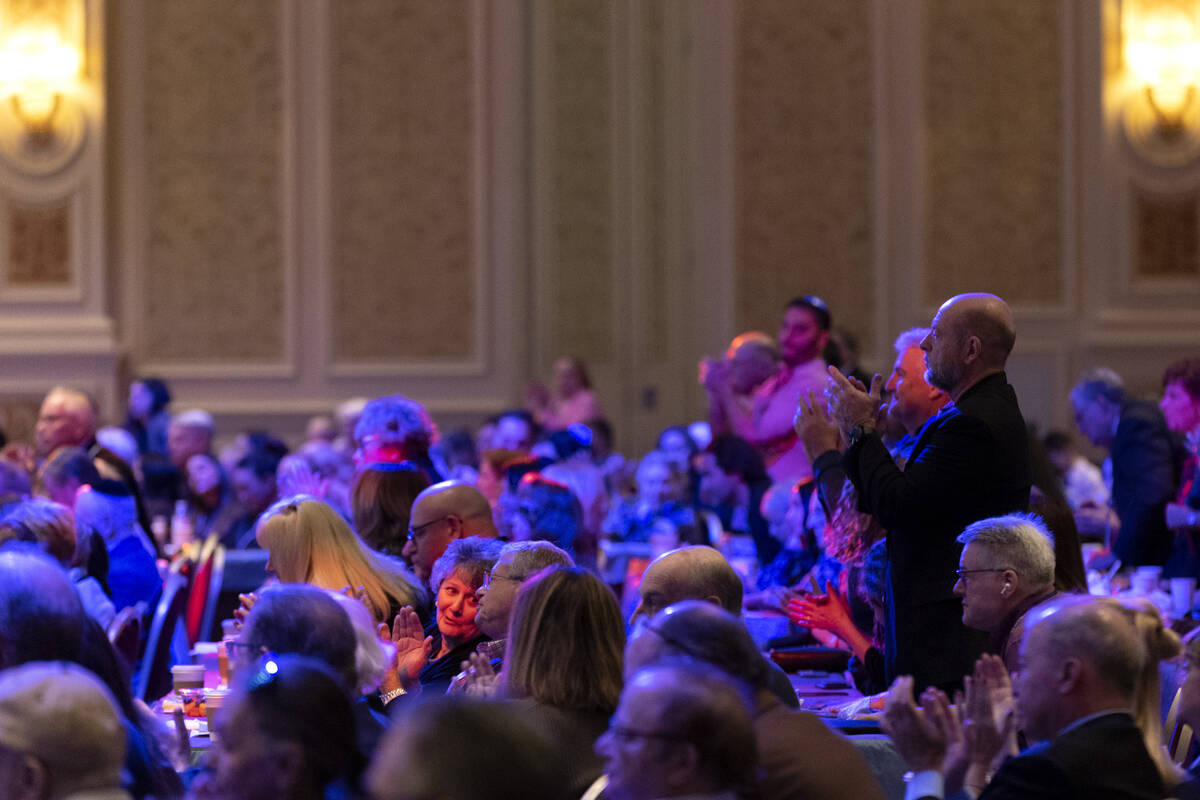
(413, 648)
(813, 426)
(920, 740)
(827, 612)
(482, 680)
(852, 404)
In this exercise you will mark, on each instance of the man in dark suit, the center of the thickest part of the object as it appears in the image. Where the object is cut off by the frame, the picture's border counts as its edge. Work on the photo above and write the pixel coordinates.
(1081, 659)
(1143, 469)
(970, 461)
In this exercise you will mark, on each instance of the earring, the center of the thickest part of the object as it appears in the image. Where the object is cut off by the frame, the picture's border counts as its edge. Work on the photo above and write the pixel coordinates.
(1005, 589)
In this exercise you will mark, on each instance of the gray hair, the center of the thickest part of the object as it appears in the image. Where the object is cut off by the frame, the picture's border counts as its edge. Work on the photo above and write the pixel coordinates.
(534, 556)
(910, 338)
(40, 611)
(1098, 382)
(473, 555)
(1018, 541)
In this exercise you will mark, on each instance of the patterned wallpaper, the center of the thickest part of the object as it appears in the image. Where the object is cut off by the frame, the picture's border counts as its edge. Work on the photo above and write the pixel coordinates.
(403, 165)
(1166, 226)
(994, 149)
(803, 160)
(39, 245)
(213, 287)
(578, 217)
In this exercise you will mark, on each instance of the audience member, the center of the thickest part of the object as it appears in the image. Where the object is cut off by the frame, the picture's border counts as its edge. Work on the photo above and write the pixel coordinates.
(65, 471)
(749, 361)
(14, 484)
(516, 563)
(309, 542)
(61, 734)
(1080, 664)
(395, 428)
(676, 445)
(516, 429)
(382, 500)
(210, 498)
(700, 573)
(1082, 481)
(286, 731)
(548, 511)
(295, 619)
(148, 419)
(1189, 712)
(573, 401)
(681, 730)
(660, 493)
(799, 755)
(1006, 568)
(1143, 471)
(1162, 644)
(428, 663)
(108, 510)
(563, 663)
(803, 334)
(573, 467)
(427, 752)
(459, 457)
(1046, 500)
(254, 490)
(51, 527)
(971, 461)
(1181, 408)
(190, 433)
(442, 513)
(732, 482)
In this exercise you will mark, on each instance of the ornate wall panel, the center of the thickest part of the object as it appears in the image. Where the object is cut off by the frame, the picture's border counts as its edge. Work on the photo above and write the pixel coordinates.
(1166, 228)
(994, 149)
(39, 246)
(803, 159)
(213, 284)
(578, 215)
(403, 158)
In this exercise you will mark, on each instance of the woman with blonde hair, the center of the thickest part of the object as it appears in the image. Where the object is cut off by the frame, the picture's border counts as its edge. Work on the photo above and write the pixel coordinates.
(309, 542)
(1162, 644)
(563, 661)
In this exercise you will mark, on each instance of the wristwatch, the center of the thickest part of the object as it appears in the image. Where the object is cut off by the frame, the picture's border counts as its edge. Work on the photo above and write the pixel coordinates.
(860, 432)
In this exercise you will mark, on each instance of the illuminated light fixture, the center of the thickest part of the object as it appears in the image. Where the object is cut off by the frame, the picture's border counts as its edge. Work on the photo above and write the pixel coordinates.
(38, 68)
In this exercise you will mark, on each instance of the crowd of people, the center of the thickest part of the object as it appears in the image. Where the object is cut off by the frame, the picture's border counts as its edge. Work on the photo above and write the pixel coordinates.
(521, 609)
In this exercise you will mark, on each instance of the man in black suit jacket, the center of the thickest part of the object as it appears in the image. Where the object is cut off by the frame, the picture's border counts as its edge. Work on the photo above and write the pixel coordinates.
(1080, 664)
(971, 461)
(1143, 468)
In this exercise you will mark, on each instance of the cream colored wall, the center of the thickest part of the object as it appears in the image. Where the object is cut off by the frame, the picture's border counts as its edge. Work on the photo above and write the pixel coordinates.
(312, 199)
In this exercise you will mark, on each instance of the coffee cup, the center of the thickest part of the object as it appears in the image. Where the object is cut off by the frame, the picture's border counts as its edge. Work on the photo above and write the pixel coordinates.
(213, 700)
(1183, 591)
(187, 676)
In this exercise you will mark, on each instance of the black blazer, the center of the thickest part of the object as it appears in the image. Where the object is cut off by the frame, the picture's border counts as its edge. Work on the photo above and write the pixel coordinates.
(1143, 465)
(1103, 758)
(971, 461)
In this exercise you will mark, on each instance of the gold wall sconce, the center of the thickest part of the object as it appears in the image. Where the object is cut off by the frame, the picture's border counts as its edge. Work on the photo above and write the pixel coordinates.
(39, 71)
(1160, 59)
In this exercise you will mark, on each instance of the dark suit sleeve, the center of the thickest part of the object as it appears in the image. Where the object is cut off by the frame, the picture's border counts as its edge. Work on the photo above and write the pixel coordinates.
(1143, 484)
(947, 467)
(1028, 777)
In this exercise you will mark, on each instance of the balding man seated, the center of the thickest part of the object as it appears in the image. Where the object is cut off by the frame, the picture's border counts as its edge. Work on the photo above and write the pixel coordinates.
(68, 419)
(1006, 568)
(698, 572)
(681, 730)
(1080, 661)
(969, 462)
(442, 513)
(799, 755)
(61, 734)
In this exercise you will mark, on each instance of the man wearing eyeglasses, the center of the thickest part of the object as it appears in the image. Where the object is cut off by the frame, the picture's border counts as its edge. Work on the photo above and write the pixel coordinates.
(442, 513)
(1006, 568)
(679, 731)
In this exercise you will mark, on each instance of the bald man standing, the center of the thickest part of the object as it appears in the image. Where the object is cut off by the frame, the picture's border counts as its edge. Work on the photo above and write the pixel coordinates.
(442, 513)
(970, 461)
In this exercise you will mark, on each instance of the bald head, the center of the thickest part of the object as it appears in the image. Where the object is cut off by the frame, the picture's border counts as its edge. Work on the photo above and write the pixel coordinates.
(689, 573)
(985, 317)
(67, 419)
(460, 499)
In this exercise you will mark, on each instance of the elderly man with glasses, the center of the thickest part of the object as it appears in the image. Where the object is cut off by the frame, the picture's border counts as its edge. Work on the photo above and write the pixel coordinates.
(1006, 568)
(442, 513)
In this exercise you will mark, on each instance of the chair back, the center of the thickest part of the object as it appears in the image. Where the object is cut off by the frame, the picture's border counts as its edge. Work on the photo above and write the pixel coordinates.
(205, 588)
(1176, 734)
(153, 678)
(125, 633)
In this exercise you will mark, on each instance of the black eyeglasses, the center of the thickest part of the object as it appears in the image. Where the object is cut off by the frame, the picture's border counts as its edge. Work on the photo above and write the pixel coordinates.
(244, 650)
(417, 531)
(962, 574)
